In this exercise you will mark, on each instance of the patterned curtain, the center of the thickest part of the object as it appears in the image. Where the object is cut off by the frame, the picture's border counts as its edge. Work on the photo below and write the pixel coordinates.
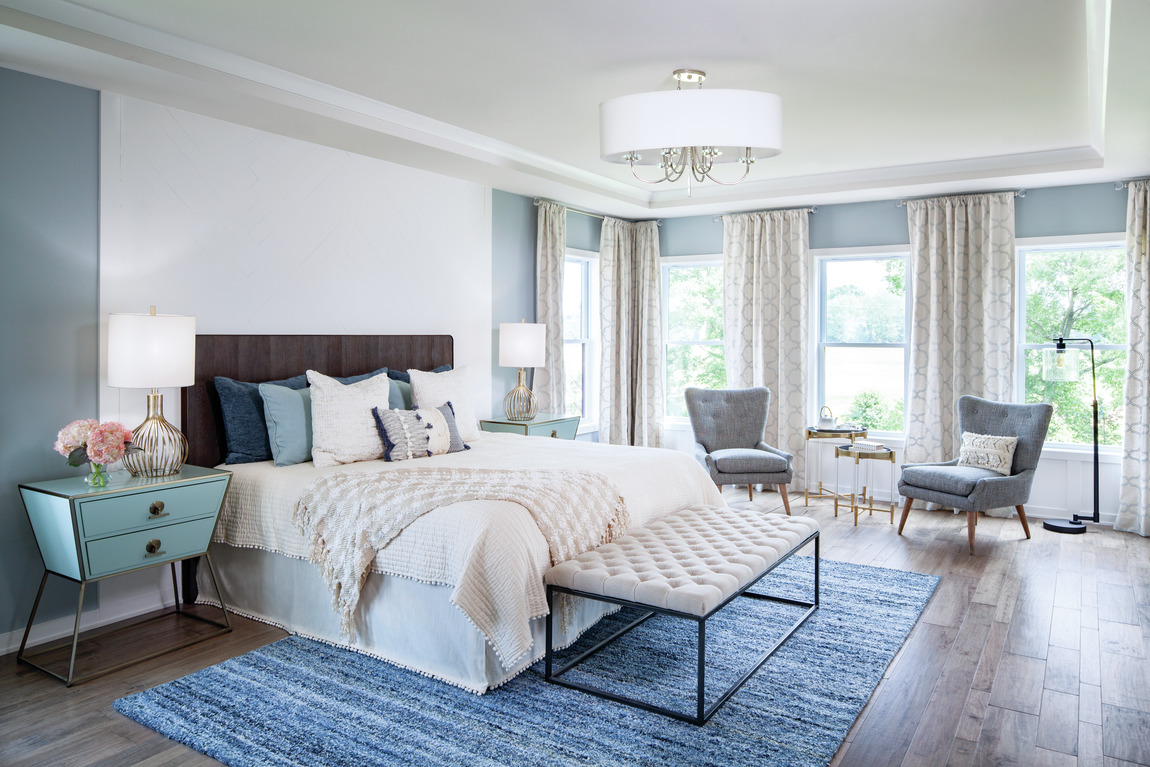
(631, 371)
(1134, 495)
(962, 314)
(765, 317)
(548, 384)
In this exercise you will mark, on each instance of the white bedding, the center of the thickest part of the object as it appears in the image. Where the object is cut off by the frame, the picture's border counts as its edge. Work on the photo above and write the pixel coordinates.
(258, 510)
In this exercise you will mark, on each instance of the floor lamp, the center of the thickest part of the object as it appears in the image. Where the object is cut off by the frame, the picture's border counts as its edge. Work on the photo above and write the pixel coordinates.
(1055, 367)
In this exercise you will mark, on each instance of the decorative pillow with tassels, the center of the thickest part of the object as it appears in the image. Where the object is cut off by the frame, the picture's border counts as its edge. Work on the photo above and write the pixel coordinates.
(985, 451)
(417, 433)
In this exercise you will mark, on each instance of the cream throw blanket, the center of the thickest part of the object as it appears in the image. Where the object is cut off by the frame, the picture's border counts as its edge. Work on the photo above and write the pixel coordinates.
(348, 517)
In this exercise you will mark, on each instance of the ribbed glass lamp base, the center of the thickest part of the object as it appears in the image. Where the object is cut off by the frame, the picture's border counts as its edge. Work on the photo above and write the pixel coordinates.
(164, 447)
(520, 404)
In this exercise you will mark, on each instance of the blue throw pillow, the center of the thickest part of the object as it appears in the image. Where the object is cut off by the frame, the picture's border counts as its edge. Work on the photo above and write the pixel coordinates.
(362, 376)
(242, 408)
(288, 414)
(402, 375)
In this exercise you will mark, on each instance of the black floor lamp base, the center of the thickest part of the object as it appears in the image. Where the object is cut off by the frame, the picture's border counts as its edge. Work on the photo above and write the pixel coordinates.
(1064, 526)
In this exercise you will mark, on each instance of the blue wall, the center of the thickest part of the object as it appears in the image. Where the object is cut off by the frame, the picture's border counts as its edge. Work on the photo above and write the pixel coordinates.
(49, 191)
(1051, 211)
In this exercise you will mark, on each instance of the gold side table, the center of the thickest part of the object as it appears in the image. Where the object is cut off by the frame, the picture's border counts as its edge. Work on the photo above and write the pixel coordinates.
(859, 500)
(814, 432)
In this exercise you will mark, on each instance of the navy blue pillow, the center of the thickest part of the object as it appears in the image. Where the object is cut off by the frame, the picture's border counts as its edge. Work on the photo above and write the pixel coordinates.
(362, 376)
(401, 375)
(242, 407)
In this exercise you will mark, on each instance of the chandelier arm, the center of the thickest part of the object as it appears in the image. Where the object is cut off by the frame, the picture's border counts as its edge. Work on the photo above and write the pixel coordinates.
(747, 161)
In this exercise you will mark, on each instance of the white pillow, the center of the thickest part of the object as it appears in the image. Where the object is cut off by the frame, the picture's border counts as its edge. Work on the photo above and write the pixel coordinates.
(987, 452)
(435, 389)
(342, 424)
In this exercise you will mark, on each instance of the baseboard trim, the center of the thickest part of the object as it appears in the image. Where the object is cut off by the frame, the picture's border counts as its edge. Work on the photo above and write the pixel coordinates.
(103, 615)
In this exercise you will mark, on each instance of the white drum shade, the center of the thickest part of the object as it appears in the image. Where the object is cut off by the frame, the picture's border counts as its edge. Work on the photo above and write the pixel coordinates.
(729, 120)
(522, 344)
(147, 351)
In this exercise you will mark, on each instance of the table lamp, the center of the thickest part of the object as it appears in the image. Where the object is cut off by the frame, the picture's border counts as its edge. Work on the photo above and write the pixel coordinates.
(153, 351)
(522, 345)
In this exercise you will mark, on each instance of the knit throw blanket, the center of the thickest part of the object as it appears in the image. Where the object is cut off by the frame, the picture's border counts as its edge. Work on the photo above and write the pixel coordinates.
(348, 517)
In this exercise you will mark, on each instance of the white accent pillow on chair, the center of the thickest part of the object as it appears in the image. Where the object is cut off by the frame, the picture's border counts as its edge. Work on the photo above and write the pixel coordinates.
(985, 451)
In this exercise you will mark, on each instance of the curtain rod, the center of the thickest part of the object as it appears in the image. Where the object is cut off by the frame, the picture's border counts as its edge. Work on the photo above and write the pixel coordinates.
(536, 202)
(1120, 185)
(812, 210)
(1017, 193)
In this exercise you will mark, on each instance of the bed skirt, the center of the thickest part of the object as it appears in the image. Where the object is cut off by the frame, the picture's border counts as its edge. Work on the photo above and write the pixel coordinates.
(411, 624)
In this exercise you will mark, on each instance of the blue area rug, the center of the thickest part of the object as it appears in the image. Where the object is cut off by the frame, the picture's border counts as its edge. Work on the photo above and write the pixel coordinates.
(299, 702)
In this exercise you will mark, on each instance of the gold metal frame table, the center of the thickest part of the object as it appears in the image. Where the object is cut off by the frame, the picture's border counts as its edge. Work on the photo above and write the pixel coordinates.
(859, 501)
(814, 432)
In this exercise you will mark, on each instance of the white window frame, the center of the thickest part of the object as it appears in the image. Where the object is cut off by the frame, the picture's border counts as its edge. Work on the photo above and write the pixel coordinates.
(589, 260)
(818, 342)
(1022, 246)
(667, 263)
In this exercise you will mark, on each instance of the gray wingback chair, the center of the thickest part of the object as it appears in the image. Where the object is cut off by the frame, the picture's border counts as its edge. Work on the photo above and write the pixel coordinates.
(729, 426)
(973, 489)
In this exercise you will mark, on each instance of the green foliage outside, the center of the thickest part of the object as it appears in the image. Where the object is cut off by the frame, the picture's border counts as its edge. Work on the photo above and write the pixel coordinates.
(870, 410)
(1078, 294)
(694, 314)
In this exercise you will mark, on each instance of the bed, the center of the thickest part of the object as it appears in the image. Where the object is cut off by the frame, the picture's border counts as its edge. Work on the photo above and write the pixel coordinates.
(414, 609)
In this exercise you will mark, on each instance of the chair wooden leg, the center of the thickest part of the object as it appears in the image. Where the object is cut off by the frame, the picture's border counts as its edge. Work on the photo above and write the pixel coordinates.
(1022, 518)
(786, 500)
(971, 521)
(905, 514)
(750, 492)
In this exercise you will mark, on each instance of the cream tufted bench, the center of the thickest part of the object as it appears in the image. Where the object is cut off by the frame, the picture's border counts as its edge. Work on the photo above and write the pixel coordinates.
(689, 564)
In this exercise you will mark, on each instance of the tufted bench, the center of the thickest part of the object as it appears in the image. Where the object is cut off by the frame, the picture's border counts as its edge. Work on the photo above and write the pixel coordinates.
(688, 564)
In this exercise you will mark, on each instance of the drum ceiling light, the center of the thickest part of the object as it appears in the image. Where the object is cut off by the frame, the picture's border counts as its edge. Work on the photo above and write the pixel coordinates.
(688, 132)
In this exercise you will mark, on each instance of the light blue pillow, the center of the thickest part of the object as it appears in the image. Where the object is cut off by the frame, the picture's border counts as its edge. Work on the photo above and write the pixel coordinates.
(288, 415)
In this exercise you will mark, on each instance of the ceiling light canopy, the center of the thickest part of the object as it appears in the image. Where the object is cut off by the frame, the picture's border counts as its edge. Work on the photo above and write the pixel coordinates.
(690, 130)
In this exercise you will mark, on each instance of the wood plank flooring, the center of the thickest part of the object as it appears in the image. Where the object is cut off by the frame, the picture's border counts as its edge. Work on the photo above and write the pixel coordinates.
(1030, 653)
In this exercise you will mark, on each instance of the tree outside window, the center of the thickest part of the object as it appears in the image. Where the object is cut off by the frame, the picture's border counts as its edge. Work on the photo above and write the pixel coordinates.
(1075, 293)
(693, 302)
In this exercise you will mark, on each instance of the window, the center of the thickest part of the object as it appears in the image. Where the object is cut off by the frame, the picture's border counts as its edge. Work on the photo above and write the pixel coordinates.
(580, 281)
(693, 319)
(862, 339)
(1074, 291)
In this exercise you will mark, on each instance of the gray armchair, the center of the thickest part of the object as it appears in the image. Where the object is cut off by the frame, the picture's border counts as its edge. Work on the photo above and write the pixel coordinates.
(973, 489)
(729, 426)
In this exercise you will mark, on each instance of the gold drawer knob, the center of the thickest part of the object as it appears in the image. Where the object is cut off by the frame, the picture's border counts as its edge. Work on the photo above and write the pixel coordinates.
(156, 509)
(152, 548)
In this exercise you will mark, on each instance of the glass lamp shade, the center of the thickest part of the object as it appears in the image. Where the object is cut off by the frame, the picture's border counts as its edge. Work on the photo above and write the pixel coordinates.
(522, 344)
(153, 351)
(729, 120)
(1060, 365)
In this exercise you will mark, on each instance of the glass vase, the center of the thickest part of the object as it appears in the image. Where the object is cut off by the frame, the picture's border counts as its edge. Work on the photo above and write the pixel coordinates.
(98, 477)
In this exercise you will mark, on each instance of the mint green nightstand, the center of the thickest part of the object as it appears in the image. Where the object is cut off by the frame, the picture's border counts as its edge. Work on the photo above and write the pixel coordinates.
(87, 534)
(542, 425)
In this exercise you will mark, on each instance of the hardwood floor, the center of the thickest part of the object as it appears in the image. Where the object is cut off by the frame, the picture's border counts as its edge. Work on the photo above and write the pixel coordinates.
(1030, 653)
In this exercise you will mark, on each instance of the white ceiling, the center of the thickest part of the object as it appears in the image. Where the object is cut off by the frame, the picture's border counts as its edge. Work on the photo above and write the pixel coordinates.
(882, 98)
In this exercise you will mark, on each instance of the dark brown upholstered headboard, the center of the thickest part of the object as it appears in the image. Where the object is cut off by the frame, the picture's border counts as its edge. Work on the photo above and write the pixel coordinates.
(266, 358)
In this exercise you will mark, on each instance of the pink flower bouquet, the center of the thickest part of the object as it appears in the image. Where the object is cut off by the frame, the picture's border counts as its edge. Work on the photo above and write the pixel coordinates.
(89, 440)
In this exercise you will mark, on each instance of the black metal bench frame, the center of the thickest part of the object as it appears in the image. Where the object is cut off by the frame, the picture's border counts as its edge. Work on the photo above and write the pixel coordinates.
(702, 714)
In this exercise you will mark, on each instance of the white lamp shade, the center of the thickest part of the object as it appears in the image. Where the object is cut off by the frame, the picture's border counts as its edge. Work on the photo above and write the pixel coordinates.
(522, 344)
(729, 120)
(147, 351)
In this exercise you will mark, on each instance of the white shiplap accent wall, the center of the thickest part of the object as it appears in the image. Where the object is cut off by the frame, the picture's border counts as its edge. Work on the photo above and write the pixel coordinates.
(253, 232)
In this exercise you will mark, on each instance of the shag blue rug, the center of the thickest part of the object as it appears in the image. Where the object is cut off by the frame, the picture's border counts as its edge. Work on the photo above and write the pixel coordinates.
(300, 702)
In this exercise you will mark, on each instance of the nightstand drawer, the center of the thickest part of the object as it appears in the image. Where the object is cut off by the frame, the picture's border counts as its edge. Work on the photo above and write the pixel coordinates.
(150, 508)
(132, 550)
(559, 429)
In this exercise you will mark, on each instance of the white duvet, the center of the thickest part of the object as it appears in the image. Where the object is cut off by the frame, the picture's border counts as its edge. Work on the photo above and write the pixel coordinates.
(497, 539)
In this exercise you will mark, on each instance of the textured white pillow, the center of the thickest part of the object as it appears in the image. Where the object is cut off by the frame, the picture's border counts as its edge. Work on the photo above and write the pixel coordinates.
(435, 389)
(987, 452)
(342, 425)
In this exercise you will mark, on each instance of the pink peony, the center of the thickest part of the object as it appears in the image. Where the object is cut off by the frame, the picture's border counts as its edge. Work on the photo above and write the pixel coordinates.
(106, 442)
(74, 435)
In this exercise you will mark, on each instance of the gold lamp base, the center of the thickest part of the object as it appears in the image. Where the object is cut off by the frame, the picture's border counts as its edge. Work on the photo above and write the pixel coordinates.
(164, 447)
(520, 404)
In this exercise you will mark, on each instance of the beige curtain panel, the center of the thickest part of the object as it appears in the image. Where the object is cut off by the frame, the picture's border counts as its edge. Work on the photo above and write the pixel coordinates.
(1134, 493)
(549, 382)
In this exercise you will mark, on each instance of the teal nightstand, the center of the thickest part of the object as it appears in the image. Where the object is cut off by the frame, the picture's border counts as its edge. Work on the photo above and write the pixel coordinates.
(87, 534)
(542, 425)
